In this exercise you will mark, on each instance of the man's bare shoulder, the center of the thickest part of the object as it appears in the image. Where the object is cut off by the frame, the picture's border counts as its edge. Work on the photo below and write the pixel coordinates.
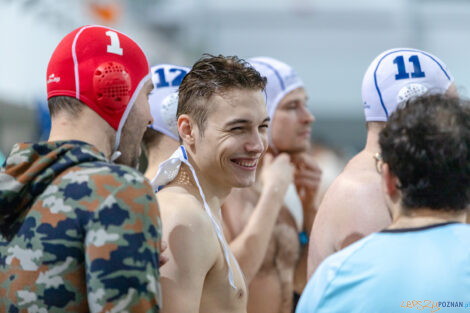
(354, 203)
(178, 196)
(186, 225)
(181, 207)
(354, 196)
(358, 181)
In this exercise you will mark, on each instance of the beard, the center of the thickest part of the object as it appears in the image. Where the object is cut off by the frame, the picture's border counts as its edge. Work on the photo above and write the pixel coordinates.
(130, 149)
(126, 158)
(129, 145)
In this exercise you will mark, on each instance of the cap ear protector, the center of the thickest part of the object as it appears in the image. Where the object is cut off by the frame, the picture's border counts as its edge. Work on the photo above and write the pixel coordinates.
(409, 91)
(112, 85)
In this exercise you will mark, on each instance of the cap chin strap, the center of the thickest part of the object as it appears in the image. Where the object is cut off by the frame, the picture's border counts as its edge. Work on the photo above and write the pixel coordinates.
(116, 154)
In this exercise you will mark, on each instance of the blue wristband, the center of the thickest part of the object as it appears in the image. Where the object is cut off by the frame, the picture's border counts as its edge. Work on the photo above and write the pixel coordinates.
(303, 238)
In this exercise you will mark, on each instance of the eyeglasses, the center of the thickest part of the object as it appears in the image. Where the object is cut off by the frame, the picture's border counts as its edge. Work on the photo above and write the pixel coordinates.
(378, 162)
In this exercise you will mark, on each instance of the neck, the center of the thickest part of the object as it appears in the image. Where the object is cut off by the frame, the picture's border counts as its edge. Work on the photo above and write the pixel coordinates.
(88, 127)
(372, 142)
(214, 193)
(214, 196)
(412, 218)
(159, 153)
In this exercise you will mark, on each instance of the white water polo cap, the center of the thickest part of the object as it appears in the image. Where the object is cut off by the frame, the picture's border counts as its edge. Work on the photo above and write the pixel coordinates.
(397, 75)
(163, 100)
(281, 78)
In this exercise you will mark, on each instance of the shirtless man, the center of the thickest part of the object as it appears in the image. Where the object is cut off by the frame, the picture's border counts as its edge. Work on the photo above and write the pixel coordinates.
(264, 221)
(161, 138)
(222, 122)
(354, 206)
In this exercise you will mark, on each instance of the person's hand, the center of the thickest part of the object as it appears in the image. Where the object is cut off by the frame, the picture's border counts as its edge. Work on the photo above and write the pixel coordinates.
(161, 258)
(277, 173)
(307, 178)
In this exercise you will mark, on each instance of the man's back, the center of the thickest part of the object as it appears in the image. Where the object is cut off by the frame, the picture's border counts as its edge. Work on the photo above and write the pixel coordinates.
(88, 238)
(415, 268)
(353, 207)
(196, 266)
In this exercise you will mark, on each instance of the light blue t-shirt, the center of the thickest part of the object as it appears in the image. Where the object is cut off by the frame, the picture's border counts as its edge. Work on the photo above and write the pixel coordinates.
(409, 270)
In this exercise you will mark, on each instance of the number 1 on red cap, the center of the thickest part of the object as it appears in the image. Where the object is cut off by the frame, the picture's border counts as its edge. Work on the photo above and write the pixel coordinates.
(114, 47)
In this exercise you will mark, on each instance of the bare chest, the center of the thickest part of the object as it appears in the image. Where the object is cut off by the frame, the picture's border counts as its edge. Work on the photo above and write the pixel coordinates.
(218, 295)
(284, 246)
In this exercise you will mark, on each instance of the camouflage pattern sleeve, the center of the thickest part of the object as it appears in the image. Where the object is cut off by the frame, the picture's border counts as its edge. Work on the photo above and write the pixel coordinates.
(122, 244)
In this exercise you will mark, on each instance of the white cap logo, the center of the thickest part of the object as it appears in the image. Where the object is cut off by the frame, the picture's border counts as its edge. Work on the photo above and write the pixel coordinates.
(53, 79)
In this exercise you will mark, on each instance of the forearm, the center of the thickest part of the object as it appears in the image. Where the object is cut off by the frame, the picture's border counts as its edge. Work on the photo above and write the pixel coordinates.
(310, 211)
(250, 246)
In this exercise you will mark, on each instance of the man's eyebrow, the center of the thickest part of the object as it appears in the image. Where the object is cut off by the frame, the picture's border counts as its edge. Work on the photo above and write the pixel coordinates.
(243, 121)
(237, 121)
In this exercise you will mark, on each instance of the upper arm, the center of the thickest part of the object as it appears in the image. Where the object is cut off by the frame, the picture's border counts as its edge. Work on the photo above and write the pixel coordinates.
(333, 223)
(122, 243)
(353, 208)
(192, 252)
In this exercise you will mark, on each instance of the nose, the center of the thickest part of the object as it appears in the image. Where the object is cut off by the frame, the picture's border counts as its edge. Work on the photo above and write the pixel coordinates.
(257, 143)
(307, 117)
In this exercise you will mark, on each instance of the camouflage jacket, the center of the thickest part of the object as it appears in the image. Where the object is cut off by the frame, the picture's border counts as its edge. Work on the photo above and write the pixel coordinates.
(78, 234)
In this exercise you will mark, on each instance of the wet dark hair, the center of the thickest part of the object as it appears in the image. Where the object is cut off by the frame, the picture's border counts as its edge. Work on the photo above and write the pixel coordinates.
(426, 144)
(214, 75)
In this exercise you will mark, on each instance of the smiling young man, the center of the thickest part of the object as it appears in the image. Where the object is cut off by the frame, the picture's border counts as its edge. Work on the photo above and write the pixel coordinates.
(266, 221)
(222, 123)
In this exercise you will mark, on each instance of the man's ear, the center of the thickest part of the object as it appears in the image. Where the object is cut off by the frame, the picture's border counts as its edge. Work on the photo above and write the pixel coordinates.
(187, 128)
(390, 181)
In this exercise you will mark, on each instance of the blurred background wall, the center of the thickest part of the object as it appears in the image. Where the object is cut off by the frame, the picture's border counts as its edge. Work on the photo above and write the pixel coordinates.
(330, 43)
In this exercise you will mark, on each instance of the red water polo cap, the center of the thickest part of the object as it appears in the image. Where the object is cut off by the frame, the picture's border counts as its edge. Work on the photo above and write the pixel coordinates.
(102, 68)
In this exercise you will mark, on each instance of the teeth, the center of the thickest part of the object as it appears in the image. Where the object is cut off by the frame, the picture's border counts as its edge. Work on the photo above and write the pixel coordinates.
(246, 163)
